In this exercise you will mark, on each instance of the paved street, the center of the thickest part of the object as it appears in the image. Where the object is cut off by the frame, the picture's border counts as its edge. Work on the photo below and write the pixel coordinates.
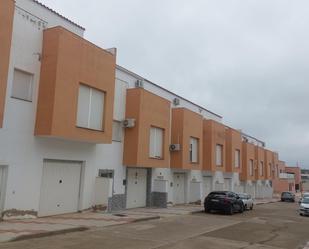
(270, 226)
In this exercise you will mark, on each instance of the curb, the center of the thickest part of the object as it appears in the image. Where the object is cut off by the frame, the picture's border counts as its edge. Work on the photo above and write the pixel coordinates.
(49, 233)
(146, 218)
(261, 203)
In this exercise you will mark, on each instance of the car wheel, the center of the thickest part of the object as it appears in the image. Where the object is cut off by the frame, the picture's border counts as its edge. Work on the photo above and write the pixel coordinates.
(207, 210)
(242, 209)
(230, 211)
(251, 207)
(301, 214)
(246, 207)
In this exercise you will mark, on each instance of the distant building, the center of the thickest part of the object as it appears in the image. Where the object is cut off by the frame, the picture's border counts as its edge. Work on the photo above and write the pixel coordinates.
(305, 179)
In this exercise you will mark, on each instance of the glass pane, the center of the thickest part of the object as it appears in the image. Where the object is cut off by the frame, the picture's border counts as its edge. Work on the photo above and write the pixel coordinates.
(159, 142)
(152, 142)
(83, 106)
(117, 131)
(96, 110)
(22, 85)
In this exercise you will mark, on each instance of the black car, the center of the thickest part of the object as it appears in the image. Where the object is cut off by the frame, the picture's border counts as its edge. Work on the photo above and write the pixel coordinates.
(225, 201)
(288, 196)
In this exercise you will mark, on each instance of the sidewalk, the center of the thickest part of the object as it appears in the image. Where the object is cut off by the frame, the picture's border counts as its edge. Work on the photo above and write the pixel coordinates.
(28, 228)
(11, 230)
(265, 201)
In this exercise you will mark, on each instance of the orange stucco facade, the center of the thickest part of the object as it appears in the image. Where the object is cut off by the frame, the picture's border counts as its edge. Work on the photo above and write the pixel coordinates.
(213, 134)
(268, 164)
(68, 61)
(186, 124)
(148, 110)
(6, 26)
(260, 163)
(233, 143)
(248, 154)
(275, 172)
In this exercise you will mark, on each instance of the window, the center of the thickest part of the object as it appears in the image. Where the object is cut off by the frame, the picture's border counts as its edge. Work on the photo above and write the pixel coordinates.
(237, 158)
(219, 150)
(117, 131)
(90, 108)
(251, 167)
(22, 85)
(261, 168)
(156, 143)
(194, 150)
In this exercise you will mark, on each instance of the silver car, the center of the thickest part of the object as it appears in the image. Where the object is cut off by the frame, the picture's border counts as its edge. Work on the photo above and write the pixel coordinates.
(304, 195)
(247, 200)
(304, 207)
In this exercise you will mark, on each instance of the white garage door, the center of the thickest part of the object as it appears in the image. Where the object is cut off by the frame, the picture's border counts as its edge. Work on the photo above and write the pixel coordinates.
(136, 188)
(60, 187)
(179, 188)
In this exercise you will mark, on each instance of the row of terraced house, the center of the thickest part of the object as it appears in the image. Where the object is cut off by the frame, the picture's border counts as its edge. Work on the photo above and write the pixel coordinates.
(78, 131)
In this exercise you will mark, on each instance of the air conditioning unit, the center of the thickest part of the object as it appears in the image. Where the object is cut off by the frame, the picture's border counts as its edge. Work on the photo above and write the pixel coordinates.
(175, 147)
(176, 101)
(139, 84)
(128, 123)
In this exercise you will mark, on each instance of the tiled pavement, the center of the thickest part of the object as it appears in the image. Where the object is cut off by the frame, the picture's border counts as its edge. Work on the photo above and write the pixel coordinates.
(19, 229)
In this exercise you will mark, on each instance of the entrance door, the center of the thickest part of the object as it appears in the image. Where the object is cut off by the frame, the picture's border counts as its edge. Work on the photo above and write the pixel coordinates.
(179, 188)
(136, 187)
(2, 187)
(207, 180)
(60, 187)
(227, 184)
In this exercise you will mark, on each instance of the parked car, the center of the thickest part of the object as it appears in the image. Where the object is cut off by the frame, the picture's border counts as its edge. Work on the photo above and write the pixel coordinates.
(304, 195)
(288, 196)
(225, 201)
(304, 207)
(247, 200)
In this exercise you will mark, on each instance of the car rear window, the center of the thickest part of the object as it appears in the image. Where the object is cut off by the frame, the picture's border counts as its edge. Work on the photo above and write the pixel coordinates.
(286, 194)
(214, 194)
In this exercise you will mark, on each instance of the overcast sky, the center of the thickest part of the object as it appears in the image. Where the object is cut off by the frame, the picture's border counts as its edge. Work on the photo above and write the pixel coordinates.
(247, 60)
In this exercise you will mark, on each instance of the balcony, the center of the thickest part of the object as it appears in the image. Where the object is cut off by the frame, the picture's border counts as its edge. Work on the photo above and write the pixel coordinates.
(187, 132)
(214, 146)
(146, 144)
(76, 90)
(6, 26)
(233, 153)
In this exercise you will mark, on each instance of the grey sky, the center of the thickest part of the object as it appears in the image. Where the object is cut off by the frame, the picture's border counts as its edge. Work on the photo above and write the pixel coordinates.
(247, 60)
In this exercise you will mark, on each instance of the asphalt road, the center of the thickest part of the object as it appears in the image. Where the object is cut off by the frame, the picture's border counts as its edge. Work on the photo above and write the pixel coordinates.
(268, 226)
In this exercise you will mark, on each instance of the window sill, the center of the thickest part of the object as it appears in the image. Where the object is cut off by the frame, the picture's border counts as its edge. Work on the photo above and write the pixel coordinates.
(26, 100)
(157, 158)
(90, 129)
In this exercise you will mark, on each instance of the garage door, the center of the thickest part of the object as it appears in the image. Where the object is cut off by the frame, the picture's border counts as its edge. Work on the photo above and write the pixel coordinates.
(136, 188)
(179, 188)
(60, 187)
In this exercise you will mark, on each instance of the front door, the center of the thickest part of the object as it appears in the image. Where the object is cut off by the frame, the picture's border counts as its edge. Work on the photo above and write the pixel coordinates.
(136, 187)
(179, 188)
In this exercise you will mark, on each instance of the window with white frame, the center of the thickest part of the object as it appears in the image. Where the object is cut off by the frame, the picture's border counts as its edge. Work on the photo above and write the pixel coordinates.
(90, 110)
(22, 85)
(219, 155)
(117, 131)
(194, 143)
(261, 168)
(251, 167)
(237, 158)
(156, 142)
